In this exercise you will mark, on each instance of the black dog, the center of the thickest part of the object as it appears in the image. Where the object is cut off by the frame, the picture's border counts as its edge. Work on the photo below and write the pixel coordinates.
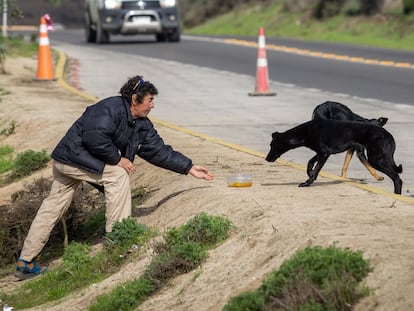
(327, 137)
(337, 111)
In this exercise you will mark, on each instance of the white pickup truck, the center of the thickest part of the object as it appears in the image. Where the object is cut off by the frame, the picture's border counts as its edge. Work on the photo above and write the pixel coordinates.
(131, 17)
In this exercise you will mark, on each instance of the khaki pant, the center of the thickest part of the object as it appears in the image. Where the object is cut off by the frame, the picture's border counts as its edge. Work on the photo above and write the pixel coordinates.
(66, 179)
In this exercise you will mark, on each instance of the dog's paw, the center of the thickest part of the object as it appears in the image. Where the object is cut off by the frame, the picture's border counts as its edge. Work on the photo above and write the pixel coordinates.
(304, 184)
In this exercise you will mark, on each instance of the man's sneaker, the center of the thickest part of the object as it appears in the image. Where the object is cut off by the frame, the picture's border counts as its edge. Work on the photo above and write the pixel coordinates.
(26, 270)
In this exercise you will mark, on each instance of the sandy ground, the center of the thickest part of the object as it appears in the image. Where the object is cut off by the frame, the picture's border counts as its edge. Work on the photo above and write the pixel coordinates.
(274, 217)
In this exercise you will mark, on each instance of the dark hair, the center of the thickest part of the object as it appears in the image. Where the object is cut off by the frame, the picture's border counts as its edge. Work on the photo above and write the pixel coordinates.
(137, 85)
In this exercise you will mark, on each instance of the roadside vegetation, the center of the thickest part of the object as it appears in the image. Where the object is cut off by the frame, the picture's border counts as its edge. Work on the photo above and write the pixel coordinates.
(15, 46)
(351, 22)
(313, 279)
(84, 222)
(182, 250)
(6, 159)
(81, 267)
(22, 165)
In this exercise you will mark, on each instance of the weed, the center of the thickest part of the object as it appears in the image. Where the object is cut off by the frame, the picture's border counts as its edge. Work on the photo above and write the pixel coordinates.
(125, 297)
(28, 162)
(24, 164)
(183, 249)
(3, 53)
(138, 195)
(6, 159)
(76, 258)
(94, 224)
(126, 232)
(9, 130)
(315, 278)
(202, 229)
(16, 217)
(78, 269)
(18, 46)
(4, 92)
(6, 151)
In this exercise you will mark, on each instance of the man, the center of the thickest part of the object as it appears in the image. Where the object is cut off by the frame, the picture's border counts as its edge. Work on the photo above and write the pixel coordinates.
(100, 148)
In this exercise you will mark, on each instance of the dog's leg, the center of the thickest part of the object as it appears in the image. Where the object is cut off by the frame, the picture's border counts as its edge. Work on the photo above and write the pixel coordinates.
(386, 164)
(364, 161)
(311, 164)
(372, 171)
(321, 160)
(347, 159)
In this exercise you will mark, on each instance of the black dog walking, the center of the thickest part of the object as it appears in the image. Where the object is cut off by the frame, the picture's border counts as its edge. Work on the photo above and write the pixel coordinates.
(327, 137)
(337, 111)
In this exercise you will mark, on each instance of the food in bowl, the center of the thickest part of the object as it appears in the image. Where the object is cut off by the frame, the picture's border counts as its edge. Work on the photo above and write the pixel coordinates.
(240, 180)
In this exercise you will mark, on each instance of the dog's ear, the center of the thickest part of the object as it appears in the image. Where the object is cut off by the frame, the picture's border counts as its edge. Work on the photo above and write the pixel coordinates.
(275, 134)
(382, 120)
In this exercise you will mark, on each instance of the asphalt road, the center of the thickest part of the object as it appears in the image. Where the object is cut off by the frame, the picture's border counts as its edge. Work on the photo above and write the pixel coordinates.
(214, 101)
(393, 83)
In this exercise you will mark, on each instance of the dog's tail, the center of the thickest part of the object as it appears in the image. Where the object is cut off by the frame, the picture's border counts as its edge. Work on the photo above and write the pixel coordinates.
(399, 169)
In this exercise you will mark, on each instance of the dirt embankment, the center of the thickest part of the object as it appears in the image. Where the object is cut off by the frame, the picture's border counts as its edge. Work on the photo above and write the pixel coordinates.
(274, 217)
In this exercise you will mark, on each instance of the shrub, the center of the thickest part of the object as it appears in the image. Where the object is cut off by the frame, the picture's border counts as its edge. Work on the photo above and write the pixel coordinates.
(408, 6)
(352, 7)
(315, 278)
(9, 130)
(203, 229)
(183, 250)
(76, 257)
(6, 160)
(126, 232)
(28, 162)
(78, 269)
(85, 219)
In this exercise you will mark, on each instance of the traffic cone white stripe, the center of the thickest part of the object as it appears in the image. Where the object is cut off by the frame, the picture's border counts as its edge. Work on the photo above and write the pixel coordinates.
(43, 41)
(262, 42)
(42, 29)
(261, 62)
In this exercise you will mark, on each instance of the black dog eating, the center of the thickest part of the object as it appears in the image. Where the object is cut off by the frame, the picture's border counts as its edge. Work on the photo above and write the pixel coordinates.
(327, 137)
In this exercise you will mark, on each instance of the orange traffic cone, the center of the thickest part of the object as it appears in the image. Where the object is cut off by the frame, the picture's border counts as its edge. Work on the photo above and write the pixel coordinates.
(262, 75)
(44, 59)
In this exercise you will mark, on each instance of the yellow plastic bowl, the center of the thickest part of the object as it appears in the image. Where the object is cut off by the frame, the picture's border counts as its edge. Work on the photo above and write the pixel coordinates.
(239, 180)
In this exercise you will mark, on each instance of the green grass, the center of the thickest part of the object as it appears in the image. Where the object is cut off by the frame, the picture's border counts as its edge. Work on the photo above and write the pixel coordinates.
(315, 278)
(4, 92)
(28, 162)
(79, 268)
(183, 250)
(6, 159)
(17, 46)
(394, 32)
(24, 164)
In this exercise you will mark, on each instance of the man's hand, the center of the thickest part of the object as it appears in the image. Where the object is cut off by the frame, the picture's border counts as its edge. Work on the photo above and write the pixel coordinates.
(127, 165)
(200, 172)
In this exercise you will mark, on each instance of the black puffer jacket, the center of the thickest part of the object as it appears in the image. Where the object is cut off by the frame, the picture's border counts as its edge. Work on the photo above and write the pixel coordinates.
(106, 132)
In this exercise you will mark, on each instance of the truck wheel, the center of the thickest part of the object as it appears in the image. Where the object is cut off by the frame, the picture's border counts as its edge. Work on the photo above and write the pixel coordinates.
(174, 36)
(161, 37)
(102, 36)
(90, 34)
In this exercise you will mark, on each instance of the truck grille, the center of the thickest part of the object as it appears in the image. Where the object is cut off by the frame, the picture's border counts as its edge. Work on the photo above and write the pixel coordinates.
(141, 5)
